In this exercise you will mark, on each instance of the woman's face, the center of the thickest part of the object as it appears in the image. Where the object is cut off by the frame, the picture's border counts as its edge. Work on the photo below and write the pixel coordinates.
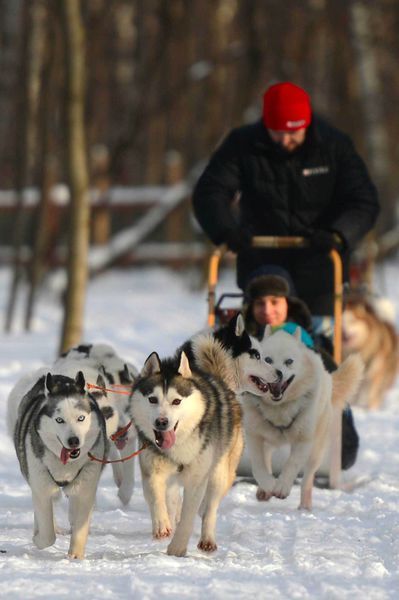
(270, 310)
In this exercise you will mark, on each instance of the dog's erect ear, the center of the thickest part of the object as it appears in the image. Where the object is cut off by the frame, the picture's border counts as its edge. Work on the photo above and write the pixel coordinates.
(49, 383)
(151, 366)
(101, 383)
(297, 333)
(80, 381)
(184, 367)
(240, 325)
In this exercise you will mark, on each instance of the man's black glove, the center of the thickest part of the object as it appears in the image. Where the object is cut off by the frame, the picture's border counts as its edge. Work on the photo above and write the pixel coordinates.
(326, 240)
(238, 240)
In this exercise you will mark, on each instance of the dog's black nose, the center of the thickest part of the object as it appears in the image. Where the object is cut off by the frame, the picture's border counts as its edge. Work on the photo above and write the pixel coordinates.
(161, 423)
(279, 375)
(73, 442)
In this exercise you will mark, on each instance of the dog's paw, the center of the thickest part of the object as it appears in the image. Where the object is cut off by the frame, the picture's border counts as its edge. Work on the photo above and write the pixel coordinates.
(207, 545)
(281, 489)
(41, 541)
(162, 530)
(303, 506)
(262, 495)
(76, 555)
(176, 549)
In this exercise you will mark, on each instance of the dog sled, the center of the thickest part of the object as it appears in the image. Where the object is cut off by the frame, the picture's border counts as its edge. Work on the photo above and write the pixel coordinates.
(219, 313)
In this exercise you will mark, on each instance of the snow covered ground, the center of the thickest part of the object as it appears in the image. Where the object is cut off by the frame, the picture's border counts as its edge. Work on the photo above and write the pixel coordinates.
(348, 547)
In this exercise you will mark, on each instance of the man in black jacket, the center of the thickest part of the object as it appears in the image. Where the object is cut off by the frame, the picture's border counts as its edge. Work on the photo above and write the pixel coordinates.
(294, 175)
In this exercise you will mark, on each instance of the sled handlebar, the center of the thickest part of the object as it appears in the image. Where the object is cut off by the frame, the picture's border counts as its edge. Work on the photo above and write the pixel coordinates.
(278, 241)
(272, 241)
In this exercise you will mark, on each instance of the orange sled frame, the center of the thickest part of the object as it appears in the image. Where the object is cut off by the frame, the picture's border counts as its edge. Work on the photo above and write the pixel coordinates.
(296, 242)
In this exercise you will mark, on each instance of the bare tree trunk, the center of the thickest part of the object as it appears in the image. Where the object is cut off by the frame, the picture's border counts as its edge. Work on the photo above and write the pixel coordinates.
(10, 33)
(371, 94)
(46, 177)
(25, 114)
(77, 173)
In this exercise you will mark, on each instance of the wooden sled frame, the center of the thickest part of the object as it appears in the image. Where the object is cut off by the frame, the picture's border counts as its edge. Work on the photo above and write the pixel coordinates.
(296, 242)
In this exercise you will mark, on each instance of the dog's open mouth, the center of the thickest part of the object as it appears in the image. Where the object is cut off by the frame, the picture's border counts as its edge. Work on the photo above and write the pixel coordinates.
(278, 388)
(260, 383)
(165, 439)
(67, 453)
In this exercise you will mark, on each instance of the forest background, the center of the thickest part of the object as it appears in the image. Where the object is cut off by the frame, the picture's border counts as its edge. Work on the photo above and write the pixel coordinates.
(104, 94)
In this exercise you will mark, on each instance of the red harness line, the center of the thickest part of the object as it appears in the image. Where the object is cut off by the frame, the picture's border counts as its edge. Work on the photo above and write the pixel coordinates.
(107, 462)
(118, 433)
(92, 386)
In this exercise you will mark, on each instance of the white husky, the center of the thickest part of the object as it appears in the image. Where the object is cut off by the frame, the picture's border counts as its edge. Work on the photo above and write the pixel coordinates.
(94, 359)
(296, 409)
(55, 424)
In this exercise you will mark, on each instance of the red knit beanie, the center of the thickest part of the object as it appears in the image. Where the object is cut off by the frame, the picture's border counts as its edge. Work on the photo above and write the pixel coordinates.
(286, 107)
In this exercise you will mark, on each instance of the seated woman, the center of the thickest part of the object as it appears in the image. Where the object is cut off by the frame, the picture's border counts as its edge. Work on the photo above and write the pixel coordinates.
(270, 300)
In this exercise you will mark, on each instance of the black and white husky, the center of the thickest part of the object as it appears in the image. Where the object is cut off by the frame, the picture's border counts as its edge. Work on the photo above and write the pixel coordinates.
(55, 423)
(190, 421)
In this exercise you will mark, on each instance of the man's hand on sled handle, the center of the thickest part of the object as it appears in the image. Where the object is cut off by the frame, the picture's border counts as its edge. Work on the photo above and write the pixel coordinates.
(325, 241)
(238, 240)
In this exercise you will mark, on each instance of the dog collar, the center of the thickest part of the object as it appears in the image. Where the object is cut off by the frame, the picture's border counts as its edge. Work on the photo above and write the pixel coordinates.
(283, 428)
(65, 482)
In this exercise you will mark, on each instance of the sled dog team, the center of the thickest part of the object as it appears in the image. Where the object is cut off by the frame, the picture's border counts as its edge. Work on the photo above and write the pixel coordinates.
(190, 413)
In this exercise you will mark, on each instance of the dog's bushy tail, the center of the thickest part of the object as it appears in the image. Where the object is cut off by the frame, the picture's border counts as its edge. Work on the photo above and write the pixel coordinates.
(346, 380)
(211, 357)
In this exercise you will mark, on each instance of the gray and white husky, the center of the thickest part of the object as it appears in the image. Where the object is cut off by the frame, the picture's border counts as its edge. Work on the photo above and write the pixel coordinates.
(55, 423)
(94, 359)
(190, 420)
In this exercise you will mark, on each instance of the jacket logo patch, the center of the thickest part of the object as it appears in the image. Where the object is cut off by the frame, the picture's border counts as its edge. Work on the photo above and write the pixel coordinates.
(315, 171)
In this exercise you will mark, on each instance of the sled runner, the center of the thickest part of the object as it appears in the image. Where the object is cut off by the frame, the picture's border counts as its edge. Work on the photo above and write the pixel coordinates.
(219, 314)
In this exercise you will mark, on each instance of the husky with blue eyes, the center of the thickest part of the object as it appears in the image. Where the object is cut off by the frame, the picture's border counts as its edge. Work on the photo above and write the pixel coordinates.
(55, 423)
(296, 407)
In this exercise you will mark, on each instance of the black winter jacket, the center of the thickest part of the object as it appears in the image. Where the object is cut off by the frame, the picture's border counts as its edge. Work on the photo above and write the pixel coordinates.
(322, 185)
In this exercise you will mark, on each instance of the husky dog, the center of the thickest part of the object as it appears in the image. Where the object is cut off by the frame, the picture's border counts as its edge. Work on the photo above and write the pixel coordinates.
(55, 424)
(236, 352)
(190, 421)
(94, 359)
(297, 409)
(375, 339)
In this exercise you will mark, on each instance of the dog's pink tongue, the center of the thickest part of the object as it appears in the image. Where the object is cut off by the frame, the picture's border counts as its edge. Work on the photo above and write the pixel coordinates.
(169, 438)
(64, 457)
